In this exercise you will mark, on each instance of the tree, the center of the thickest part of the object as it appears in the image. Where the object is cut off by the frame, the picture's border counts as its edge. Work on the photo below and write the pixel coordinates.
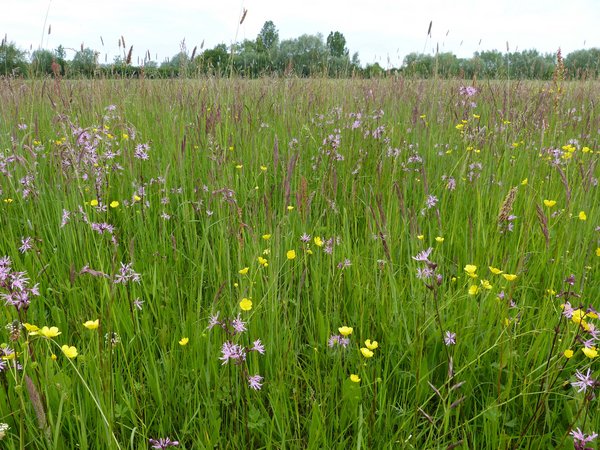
(583, 63)
(336, 43)
(305, 55)
(85, 62)
(13, 60)
(268, 38)
(216, 59)
(41, 62)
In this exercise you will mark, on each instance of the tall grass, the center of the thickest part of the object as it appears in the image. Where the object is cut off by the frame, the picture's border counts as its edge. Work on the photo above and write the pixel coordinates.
(377, 170)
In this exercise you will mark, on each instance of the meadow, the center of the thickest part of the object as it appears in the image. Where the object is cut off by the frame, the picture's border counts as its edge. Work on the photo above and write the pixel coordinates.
(291, 263)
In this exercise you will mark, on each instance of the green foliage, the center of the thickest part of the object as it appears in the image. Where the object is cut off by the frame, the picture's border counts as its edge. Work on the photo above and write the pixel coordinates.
(13, 61)
(352, 162)
(336, 44)
(84, 63)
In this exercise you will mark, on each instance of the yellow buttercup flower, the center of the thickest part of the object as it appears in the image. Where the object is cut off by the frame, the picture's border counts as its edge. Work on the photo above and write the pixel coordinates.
(371, 345)
(509, 276)
(420, 237)
(355, 378)
(598, 251)
(262, 261)
(184, 341)
(70, 352)
(244, 271)
(439, 239)
(524, 182)
(590, 352)
(582, 215)
(266, 237)
(318, 241)
(114, 204)
(94, 202)
(485, 284)
(49, 332)
(568, 353)
(31, 328)
(246, 304)
(366, 352)
(345, 331)
(474, 290)
(291, 254)
(470, 269)
(92, 324)
(549, 203)
(495, 271)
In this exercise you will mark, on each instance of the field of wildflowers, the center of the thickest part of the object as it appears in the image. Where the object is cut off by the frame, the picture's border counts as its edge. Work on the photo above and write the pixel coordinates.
(289, 263)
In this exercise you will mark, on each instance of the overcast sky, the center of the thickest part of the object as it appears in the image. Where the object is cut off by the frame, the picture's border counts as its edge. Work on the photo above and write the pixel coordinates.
(379, 30)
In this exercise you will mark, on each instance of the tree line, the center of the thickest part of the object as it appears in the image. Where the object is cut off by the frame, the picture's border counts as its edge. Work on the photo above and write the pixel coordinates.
(305, 56)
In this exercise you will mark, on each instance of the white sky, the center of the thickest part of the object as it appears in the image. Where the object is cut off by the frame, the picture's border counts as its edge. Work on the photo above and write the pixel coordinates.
(379, 30)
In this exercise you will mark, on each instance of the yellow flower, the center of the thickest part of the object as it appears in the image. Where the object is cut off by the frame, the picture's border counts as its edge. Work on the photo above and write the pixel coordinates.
(439, 239)
(8, 200)
(494, 270)
(291, 254)
(420, 237)
(263, 168)
(524, 182)
(551, 292)
(549, 203)
(114, 204)
(244, 271)
(371, 345)
(184, 341)
(125, 136)
(53, 357)
(345, 331)
(92, 324)
(470, 269)
(94, 202)
(598, 251)
(459, 126)
(290, 208)
(239, 166)
(262, 261)
(136, 198)
(509, 276)
(31, 328)
(70, 352)
(568, 353)
(366, 352)
(49, 332)
(318, 241)
(586, 150)
(486, 284)
(476, 116)
(266, 237)
(582, 215)
(474, 290)
(590, 352)
(246, 304)
(355, 378)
